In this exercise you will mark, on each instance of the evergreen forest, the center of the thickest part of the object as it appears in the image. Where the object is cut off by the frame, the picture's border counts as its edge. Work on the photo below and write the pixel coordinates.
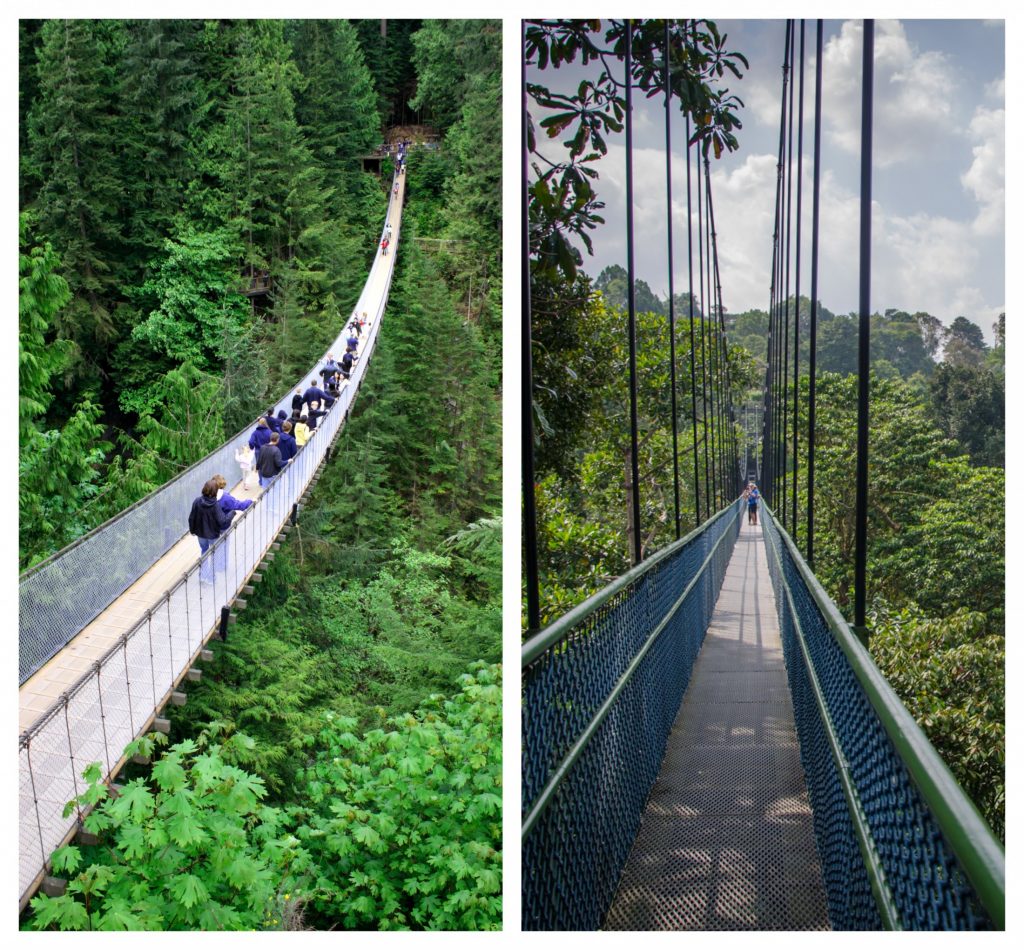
(936, 482)
(339, 766)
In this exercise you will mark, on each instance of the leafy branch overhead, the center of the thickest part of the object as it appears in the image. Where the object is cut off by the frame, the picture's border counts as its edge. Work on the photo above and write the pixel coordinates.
(563, 204)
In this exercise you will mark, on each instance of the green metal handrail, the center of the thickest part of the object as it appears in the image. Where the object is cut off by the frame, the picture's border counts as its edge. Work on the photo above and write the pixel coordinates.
(535, 646)
(969, 837)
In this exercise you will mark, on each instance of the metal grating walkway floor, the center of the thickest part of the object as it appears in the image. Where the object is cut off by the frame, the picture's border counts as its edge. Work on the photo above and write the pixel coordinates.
(726, 841)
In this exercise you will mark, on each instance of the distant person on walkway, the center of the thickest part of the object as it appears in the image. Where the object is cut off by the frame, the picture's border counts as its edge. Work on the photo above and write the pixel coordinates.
(287, 443)
(228, 501)
(387, 230)
(352, 343)
(355, 326)
(302, 431)
(297, 402)
(753, 497)
(384, 247)
(269, 461)
(273, 423)
(260, 436)
(330, 369)
(396, 187)
(207, 521)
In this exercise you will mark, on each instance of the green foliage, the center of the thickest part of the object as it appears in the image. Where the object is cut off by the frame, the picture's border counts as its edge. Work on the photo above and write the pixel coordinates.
(970, 407)
(403, 826)
(951, 676)
(192, 847)
(563, 203)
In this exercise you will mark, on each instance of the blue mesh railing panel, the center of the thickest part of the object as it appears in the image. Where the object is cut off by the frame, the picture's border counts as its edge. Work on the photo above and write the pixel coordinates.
(60, 596)
(574, 853)
(927, 882)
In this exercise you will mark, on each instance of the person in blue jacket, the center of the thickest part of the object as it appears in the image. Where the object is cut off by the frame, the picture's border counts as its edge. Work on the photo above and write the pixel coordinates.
(273, 423)
(260, 436)
(208, 521)
(286, 442)
(228, 501)
(313, 394)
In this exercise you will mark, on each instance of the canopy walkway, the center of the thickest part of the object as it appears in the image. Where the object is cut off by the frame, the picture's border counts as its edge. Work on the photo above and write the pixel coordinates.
(708, 746)
(707, 743)
(112, 625)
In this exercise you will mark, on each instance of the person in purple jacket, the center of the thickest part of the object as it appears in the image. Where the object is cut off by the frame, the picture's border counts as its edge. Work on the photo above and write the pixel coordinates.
(208, 521)
(286, 442)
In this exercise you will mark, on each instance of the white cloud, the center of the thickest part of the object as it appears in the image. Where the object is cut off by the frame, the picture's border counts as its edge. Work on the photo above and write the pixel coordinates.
(985, 179)
(913, 94)
(919, 261)
(996, 89)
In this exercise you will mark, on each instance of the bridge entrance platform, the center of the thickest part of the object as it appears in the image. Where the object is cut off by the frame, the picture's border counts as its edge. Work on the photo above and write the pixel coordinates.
(726, 840)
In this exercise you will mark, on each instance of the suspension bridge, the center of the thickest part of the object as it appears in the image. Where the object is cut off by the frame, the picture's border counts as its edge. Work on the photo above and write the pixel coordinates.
(706, 742)
(114, 626)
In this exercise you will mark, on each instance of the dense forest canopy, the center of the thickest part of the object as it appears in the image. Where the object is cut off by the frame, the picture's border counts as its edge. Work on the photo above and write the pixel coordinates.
(936, 480)
(347, 742)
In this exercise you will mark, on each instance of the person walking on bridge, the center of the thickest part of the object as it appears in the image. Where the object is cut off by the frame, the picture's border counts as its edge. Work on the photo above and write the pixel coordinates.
(313, 395)
(228, 501)
(208, 521)
(269, 460)
(260, 436)
(753, 497)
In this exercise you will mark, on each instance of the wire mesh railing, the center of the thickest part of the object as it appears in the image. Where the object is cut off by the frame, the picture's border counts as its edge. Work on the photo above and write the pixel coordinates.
(117, 697)
(901, 845)
(60, 596)
(601, 687)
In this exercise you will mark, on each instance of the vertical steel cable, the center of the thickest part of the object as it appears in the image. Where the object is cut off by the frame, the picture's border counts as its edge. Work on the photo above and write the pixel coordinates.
(864, 340)
(796, 320)
(529, 498)
(703, 337)
(814, 299)
(714, 291)
(637, 553)
(789, 243)
(711, 427)
(693, 347)
(671, 284)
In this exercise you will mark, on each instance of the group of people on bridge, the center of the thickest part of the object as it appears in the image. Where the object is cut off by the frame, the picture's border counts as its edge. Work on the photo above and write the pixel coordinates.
(273, 444)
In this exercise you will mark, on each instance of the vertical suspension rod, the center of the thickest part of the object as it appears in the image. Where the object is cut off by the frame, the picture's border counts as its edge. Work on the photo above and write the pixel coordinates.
(796, 319)
(703, 340)
(636, 553)
(693, 348)
(864, 341)
(789, 244)
(529, 498)
(671, 284)
(812, 369)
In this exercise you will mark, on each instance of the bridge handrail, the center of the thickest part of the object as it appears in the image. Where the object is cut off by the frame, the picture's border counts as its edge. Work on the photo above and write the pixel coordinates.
(968, 836)
(585, 774)
(47, 624)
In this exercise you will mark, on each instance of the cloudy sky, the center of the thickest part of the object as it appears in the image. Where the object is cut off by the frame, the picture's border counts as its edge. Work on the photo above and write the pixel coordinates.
(938, 194)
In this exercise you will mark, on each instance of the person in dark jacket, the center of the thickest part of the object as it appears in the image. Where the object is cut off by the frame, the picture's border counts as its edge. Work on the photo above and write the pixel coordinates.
(207, 521)
(260, 436)
(286, 442)
(313, 417)
(273, 423)
(352, 343)
(331, 368)
(346, 365)
(297, 401)
(269, 461)
(313, 394)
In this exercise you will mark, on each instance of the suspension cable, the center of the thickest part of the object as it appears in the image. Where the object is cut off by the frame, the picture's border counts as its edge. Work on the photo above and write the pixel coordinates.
(693, 348)
(789, 244)
(636, 552)
(814, 299)
(864, 341)
(671, 284)
(529, 497)
(796, 320)
(703, 336)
